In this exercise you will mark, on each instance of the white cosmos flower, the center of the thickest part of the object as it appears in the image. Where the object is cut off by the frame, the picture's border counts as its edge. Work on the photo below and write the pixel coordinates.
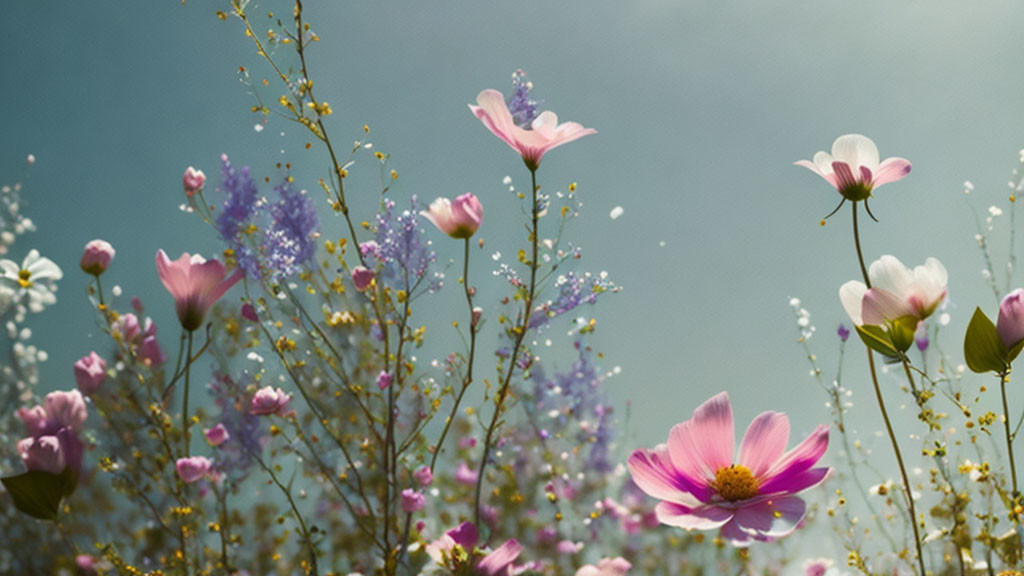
(896, 291)
(35, 279)
(853, 167)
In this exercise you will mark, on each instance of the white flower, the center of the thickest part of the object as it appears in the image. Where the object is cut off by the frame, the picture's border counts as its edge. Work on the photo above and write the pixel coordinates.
(895, 291)
(36, 278)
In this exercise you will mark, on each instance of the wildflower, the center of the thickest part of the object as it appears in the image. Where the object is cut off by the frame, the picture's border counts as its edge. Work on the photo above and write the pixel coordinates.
(843, 332)
(701, 488)
(43, 453)
(921, 336)
(34, 419)
(521, 104)
(896, 292)
(89, 373)
(238, 213)
(424, 475)
(362, 277)
(96, 257)
(465, 475)
(249, 312)
(289, 241)
(150, 349)
(65, 409)
(193, 180)
(35, 279)
(499, 562)
(383, 380)
(853, 167)
(606, 567)
(543, 134)
(127, 327)
(817, 567)
(403, 254)
(412, 500)
(270, 401)
(193, 468)
(1010, 323)
(195, 284)
(458, 219)
(217, 435)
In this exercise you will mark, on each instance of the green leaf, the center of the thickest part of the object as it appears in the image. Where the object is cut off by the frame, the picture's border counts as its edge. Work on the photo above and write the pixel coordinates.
(37, 493)
(877, 339)
(983, 349)
(901, 332)
(1015, 351)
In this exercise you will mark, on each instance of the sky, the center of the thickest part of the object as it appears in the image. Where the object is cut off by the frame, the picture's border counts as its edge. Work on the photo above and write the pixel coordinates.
(701, 109)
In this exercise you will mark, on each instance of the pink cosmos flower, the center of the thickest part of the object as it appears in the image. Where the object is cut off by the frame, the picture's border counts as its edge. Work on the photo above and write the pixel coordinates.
(896, 291)
(89, 373)
(606, 567)
(193, 468)
(458, 219)
(545, 133)
(701, 487)
(96, 257)
(193, 180)
(853, 167)
(217, 435)
(1010, 324)
(267, 400)
(195, 283)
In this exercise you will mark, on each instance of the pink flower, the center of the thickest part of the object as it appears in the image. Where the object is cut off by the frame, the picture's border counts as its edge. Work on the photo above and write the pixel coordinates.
(499, 562)
(267, 400)
(362, 277)
(66, 409)
(702, 488)
(383, 380)
(193, 468)
(853, 167)
(896, 292)
(545, 134)
(412, 500)
(96, 257)
(249, 312)
(217, 435)
(195, 284)
(817, 567)
(1010, 323)
(43, 453)
(89, 373)
(193, 180)
(606, 567)
(465, 475)
(35, 421)
(127, 327)
(458, 219)
(424, 475)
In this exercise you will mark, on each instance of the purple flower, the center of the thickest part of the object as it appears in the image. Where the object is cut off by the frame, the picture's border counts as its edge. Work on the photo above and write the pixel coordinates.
(383, 380)
(843, 332)
(290, 239)
(249, 312)
(921, 336)
(523, 108)
(573, 291)
(238, 212)
(403, 253)
(465, 475)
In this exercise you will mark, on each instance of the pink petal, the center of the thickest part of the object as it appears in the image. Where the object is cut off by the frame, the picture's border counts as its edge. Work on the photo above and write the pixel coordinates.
(844, 175)
(880, 306)
(829, 177)
(764, 442)
(891, 170)
(787, 483)
(735, 535)
(802, 456)
(771, 518)
(653, 472)
(493, 112)
(865, 174)
(495, 562)
(699, 518)
(172, 276)
(707, 440)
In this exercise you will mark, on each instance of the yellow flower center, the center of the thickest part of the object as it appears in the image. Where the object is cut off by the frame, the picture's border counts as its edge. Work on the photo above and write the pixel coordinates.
(23, 278)
(735, 483)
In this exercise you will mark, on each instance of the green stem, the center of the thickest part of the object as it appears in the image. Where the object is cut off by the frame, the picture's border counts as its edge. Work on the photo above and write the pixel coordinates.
(184, 409)
(99, 292)
(1003, 378)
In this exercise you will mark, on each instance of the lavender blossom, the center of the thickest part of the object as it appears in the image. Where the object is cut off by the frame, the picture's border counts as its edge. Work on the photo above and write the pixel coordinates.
(238, 213)
(289, 241)
(573, 292)
(402, 252)
(521, 105)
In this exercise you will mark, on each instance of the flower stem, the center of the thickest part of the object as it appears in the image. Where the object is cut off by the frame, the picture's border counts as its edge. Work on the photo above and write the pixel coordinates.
(856, 242)
(99, 292)
(184, 408)
(1003, 378)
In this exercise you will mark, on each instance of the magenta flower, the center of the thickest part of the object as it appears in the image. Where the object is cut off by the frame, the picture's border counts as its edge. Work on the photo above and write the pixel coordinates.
(267, 401)
(458, 219)
(545, 133)
(195, 284)
(606, 567)
(34, 419)
(217, 435)
(702, 488)
(193, 181)
(1010, 323)
(853, 167)
(43, 453)
(362, 277)
(193, 468)
(96, 257)
(90, 372)
(412, 500)
(465, 475)
(383, 380)
(424, 475)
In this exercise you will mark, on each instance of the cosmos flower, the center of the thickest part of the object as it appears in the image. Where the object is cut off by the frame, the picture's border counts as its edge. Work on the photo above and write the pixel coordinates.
(458, 219)
(195, 283)
(853, 167)
(896, 292)
(35, 279)
(702, 487)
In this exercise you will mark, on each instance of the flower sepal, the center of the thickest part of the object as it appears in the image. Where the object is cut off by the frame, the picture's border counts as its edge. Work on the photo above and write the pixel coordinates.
(39, 493)
(902, 331)
(879, 340)
(984, 351)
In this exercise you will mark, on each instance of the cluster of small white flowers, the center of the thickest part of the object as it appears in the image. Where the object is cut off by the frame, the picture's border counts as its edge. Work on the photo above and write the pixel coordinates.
(12, 222)
(803, 319)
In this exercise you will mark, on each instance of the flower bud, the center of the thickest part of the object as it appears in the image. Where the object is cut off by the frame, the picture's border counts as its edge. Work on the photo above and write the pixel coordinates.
(383, 380)
(217, 435)
(193, 180)
(412, 500)
(362, 277)
(43, 453)
(424, 475)
(458, 219)
(90, 371)
(1010, 323)
(66, 409)
(193, 468)
(35, 421)
(267, 400)
(97, 257)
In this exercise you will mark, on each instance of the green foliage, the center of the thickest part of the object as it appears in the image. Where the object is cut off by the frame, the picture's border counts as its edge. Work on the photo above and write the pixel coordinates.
(39, 493)
(983, 349)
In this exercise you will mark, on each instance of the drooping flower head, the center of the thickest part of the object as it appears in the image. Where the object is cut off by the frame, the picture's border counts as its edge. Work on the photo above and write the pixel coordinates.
(896, 292)
(752, 497)
(532, 141)
(458, 219)
(853, 167)
(195, 283)
(97, 257)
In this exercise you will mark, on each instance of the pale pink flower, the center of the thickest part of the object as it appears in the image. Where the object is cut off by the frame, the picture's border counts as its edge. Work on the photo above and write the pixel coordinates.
(193, 180)
(43, 453)
(217, 435)
(96, 257)
(458, 219)
(499, 561)
(412, 500)
(817, 567)
(193, 468)
(424, 475)
(90, 371)
(66, 409)
(465, 475)
(195, 283)
(267, 400)
(127, 326)
(853, 167)
(35, 421)
(702, 487)
(545, 133)
(1010, 323)
(896, 291)
(606, 567)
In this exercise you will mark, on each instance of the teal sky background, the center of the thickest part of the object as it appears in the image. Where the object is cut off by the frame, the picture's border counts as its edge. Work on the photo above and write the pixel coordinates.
(701, 109)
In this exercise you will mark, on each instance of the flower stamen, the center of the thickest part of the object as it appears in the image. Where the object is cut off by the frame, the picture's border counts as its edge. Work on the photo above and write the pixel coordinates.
(735, 483)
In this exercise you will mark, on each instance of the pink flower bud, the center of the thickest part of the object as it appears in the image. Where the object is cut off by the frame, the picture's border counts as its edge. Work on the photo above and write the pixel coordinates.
(89, 373)
(369, 247)
(127, 327)
(362, 277)
(137, 304)
(193, 180)
(423, 475)
(458, 219)
(465, 475)
(43, 453)
(97, 257)
(151, 351)
(217, 435)
(249, 312)
(66, 409)
(412, 500)
(193, 468)
(477, 314)
(1010, 323)
(383, 380)
(35, 421)
(568, 547)
(267, 400)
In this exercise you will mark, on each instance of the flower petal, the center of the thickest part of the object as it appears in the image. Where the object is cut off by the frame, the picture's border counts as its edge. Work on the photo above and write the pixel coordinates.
(881, 306)
(851, 295)
(493, 112)
(802, 456)
(764, 442)
(699, 518)
(889, 274)
(653, 472)
(891, 170)
(706, 440)
(794, 483)
(856, 150)
(771, 518)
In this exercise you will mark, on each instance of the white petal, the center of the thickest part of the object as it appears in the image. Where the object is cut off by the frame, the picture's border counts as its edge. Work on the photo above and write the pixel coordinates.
(823, 160)
(857, 151)
(45, 268)
(851, 295)
(889, 274)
